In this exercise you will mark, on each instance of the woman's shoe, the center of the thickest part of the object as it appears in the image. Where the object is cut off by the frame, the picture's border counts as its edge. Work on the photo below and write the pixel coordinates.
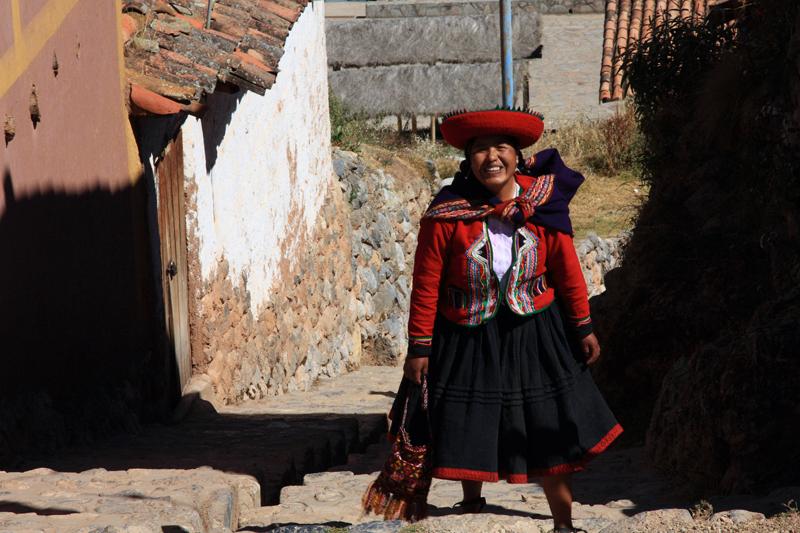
(472, 506)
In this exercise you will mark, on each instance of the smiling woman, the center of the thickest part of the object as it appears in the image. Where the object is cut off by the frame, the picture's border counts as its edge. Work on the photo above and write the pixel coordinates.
(506, 364)
(493, 161)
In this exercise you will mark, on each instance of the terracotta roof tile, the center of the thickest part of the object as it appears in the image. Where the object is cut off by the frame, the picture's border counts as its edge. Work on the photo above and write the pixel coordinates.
(129, 27)
(170, 53)
(630, 22)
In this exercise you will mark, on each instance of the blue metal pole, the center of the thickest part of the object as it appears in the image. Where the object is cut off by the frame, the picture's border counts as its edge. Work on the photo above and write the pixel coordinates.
(506, 38)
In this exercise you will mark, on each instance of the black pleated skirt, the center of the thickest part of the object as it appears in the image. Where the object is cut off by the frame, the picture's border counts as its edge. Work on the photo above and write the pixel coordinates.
(509, 399)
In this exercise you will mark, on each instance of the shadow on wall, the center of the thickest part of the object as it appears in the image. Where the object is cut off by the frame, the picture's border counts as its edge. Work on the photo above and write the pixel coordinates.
(79, 352)
(215, 121)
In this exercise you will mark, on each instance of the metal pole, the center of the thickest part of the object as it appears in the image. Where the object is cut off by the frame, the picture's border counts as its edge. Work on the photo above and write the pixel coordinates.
(208, 13)
(506, 38)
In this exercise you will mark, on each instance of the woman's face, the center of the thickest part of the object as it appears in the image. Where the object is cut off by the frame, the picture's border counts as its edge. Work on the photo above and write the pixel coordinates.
(493, 160)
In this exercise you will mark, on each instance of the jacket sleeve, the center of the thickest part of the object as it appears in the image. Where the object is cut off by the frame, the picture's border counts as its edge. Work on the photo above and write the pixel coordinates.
(430, 261)
(564, 270)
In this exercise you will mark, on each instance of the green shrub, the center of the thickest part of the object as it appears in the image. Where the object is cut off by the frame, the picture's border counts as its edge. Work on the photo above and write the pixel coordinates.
(349, 129)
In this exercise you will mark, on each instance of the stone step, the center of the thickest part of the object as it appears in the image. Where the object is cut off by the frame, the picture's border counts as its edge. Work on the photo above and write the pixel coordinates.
(205, 472)
(617, 493)
(201, 499)
(334, 499)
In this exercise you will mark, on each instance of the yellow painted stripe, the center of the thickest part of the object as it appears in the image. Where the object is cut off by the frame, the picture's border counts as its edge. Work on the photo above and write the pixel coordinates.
(29, 41)
(134, 164)
(16, 22)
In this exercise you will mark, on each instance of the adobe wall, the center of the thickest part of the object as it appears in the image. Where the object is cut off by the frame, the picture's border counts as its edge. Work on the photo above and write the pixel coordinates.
(269, 251)
(77, 352)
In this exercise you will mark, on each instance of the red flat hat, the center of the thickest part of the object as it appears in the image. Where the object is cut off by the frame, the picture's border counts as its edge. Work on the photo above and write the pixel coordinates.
(460, 127)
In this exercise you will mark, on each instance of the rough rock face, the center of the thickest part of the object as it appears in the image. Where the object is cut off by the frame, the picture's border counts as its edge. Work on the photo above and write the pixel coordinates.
(309, 329)
(385, 219)
(599, 256)
(700, 322)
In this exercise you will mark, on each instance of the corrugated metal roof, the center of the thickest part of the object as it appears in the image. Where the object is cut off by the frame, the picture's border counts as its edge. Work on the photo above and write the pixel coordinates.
(170, 53)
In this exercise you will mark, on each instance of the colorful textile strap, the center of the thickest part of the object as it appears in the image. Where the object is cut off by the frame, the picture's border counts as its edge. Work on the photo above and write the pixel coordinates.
(516, 210)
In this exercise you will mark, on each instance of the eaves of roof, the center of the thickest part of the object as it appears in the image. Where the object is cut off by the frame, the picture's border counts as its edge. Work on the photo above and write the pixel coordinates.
(173, 60)
(629, 22)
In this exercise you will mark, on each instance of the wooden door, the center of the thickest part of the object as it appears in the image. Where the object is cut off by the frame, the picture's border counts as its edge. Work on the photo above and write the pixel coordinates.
(174, 270)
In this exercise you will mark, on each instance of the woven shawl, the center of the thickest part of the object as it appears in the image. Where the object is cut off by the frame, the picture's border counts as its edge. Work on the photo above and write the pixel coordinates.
(548, 187)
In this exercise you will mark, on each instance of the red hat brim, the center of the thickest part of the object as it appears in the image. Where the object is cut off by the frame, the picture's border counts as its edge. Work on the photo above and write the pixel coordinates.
(458, 130)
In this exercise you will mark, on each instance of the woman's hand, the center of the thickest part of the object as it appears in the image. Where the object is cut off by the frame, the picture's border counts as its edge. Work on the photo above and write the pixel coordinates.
(414, 368)
(591, 348)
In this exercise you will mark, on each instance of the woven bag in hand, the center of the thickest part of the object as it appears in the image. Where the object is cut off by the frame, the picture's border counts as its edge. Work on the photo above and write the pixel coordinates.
(401, 489)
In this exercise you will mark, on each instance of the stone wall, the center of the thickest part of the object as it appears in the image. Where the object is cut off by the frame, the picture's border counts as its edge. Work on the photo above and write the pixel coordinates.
(450, 62)
(564, 81)
(463, 39)
(260, 165)
(385, 219)
(308, 329)
(562, 84)
(412, 8)
(599, 256)
(343, 300)
(425, 89)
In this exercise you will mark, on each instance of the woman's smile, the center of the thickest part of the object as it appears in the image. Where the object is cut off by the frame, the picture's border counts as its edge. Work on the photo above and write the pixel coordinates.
(493, 160)
(493, 171)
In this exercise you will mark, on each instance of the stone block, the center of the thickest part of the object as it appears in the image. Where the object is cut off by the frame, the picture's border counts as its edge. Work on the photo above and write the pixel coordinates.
(427, 40)
(424, 89)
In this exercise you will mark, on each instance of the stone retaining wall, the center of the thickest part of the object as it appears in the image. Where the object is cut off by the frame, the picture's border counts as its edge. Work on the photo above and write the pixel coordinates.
(447, 39)
(385, 219)
(411, 8)
(425, 89)
(598, 256)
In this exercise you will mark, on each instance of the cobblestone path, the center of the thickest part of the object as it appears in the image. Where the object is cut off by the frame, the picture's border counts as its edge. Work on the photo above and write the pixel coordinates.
(204, 472)
(252, 468)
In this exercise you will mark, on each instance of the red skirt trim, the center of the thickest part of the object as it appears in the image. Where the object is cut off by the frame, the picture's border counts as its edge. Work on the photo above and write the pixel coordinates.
(463, 474)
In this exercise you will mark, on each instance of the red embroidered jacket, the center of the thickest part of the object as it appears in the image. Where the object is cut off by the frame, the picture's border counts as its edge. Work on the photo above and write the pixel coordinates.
(453, 272)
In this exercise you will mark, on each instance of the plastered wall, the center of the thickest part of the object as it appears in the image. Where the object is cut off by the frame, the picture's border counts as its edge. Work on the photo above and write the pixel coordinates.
(261, 165)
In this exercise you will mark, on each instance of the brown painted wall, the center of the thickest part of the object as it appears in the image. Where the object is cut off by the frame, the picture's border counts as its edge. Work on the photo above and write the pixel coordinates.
(77, 347)
(6, 33)
(80, 140)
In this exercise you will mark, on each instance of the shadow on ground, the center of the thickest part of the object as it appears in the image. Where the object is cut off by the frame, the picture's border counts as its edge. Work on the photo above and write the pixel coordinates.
(277, 450)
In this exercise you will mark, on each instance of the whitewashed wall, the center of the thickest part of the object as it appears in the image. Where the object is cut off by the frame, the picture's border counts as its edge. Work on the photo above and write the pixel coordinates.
(269, 159)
